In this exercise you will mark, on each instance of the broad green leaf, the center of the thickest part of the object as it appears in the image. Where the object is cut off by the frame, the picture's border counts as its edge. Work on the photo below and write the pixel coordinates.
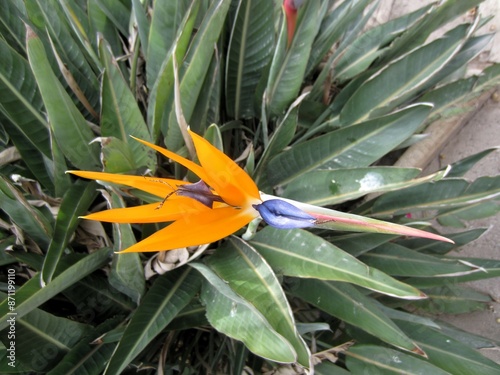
(48, 16)
(468, 52)
(164, 82)
(470, 339)
(350, 147)
(127, 271)
(249, 51)
(372, 359)
(458, 216)
(164, 300)
(345, 302)
(143, 26)
(118, 12)
(214, 136)
(116, 155)
(208, 107)
(75, 203)
(333, 29)
(121, 116)
(238, 318)
(400, 80)
(443, 194)
(39, 333)
(358, 55)
(11, 29)
(31, 294)
(282, 136)
(86, 357)
(28, 218)
(326, 187)
(490, 269)
(70, 129)
(101, 24)
(165, 24)
(328, 368)
(237, 261)
(289, 65)
(62, 181)
(302, 254)
(20, 103)
(397, 260)
(453, 299)
(195, 69)
(437, 17)
(461, 167)
(359, 243)
(448, 353)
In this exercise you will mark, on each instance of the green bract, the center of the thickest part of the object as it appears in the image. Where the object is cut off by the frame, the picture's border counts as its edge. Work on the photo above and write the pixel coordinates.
(310, 120)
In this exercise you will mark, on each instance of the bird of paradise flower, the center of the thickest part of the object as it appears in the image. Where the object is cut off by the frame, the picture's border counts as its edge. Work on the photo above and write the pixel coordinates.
(222, 202)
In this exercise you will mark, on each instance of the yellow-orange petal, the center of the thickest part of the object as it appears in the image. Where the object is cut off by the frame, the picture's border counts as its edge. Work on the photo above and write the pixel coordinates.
(193, 167)
(160, 187)
(231, 182)
(192, 230)
(171, 210)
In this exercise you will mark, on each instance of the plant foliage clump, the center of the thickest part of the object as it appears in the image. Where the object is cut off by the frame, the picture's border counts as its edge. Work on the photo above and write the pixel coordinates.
(315, 118)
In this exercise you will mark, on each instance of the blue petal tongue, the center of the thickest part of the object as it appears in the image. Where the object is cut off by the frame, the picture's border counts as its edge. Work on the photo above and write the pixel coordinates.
(283, 215)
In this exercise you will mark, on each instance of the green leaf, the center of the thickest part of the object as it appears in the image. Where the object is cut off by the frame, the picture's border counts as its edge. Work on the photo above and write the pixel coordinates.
(359, 54)
(117, 12)
(10, 28)
(86, 357)
(282, 136)
(448, 353)
(31, 294)
(29, 219)
(238, 318)
(400, 80)
(237, 261)
(359, 243)
(288, 66)
(397, 260)
(116, 155)
(325, 187)
(121, 116)
(458, 216)
(249, 51)
(20, 103)
(196, 68)
(70, 128)
(334, 28)
(490, 268)
(438, 17)
(164, 82)
(48, 17)
(165, 299)
(447, 193)
(39, 333)
(127, 271)
(350, 147)
(348, 304)
(143, 26)
(302, 254)
(165, 24)
(461, 167)
(75, 203)
(372, 359)
(453, 299)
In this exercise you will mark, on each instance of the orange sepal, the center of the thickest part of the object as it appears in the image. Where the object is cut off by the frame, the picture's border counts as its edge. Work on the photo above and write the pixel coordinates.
(231, 182)
(160, 187)
(172, 209)
(207, 227)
